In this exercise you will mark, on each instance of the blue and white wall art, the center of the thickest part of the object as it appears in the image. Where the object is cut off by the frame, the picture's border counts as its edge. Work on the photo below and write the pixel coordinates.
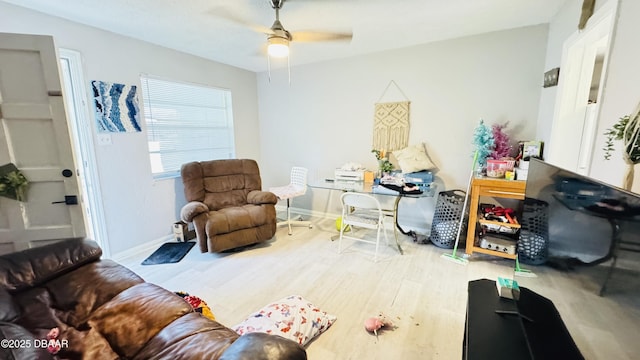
(110, 100)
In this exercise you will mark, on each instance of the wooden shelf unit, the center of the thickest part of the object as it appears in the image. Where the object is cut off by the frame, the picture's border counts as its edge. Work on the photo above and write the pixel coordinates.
(490, 187)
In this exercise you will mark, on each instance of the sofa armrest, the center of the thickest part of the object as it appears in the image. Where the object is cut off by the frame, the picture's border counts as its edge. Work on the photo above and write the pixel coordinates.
(259, 197)
(261, 346)
(191, 210)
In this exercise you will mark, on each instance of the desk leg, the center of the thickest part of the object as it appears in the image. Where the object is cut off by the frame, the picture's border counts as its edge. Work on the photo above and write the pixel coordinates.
(613, 252)
(337, 236)
(395, 223)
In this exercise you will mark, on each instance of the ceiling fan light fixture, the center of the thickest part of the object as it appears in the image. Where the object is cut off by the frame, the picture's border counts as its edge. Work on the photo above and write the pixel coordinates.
(278, 47)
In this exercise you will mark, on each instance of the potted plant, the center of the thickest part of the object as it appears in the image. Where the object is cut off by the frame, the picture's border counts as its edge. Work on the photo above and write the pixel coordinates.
(13, 184)
(384, 165)
(626, 129)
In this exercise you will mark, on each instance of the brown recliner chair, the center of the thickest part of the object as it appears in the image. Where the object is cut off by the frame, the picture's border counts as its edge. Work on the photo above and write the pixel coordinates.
(226, 204)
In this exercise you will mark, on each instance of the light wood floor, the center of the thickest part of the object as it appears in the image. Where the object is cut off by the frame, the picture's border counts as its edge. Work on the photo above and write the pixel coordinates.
(422, 293)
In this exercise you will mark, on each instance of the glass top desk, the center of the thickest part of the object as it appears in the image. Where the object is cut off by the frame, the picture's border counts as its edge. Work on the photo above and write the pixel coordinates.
(370, 188)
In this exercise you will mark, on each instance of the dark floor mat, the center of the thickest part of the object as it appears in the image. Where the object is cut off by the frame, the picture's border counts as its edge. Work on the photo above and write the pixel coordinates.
(170, 252)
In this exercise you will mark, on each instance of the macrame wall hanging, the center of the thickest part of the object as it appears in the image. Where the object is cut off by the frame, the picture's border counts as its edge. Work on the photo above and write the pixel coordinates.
(391, 123)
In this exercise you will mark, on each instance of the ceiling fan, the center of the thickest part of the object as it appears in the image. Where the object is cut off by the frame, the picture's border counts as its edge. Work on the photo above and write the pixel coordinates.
(279, 38)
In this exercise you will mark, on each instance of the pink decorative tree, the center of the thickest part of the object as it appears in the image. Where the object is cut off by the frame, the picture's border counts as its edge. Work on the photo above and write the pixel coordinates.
(501, 145)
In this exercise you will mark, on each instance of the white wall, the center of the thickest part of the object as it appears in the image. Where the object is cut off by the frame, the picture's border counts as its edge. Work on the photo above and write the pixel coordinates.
(324, 118)
(137, 208)
(563, 25)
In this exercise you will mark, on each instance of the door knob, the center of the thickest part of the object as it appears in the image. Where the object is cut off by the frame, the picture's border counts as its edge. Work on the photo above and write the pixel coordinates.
(68, 200)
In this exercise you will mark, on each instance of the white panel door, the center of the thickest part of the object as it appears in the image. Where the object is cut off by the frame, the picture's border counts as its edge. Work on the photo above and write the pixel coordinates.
(575, 120)
(34, 136)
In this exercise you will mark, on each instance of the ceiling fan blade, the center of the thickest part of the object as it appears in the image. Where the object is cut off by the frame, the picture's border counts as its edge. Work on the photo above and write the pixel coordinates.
(312, 36)
(224, 13)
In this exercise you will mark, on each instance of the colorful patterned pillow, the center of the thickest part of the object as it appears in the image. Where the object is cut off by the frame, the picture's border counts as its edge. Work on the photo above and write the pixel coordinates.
(197, 304)
(292, 317)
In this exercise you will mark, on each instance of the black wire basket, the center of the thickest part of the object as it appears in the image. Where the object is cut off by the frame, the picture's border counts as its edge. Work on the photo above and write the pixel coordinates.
(446, 219)
(533, 245)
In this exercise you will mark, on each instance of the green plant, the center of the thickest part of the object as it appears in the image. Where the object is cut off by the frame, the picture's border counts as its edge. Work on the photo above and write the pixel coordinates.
(383, 162)
(385, 165)
(626, 129)
(13, 184)
(379, 154)
(616, 132)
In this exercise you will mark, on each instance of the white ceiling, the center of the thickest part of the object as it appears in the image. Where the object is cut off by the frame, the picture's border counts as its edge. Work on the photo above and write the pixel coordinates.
(203, 28)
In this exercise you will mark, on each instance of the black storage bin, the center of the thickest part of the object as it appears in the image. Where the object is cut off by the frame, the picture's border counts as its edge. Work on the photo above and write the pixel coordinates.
(533, 245)
(446, 218)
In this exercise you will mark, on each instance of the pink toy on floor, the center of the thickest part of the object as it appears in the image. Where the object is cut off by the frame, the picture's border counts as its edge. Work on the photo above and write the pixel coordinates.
(373, 324)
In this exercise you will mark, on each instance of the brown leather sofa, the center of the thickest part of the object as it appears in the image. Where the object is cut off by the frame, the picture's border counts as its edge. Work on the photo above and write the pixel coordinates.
(227, 205)
(105, 311)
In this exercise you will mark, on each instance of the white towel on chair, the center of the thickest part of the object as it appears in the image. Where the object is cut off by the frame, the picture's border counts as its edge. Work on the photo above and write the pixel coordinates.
(287, 191)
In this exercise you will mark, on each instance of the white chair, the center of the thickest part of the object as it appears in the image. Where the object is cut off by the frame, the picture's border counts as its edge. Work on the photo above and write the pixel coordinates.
(297, 187)
(364, 211)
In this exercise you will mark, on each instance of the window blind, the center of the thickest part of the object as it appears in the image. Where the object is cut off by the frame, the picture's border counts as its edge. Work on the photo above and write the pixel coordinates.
(186, 122)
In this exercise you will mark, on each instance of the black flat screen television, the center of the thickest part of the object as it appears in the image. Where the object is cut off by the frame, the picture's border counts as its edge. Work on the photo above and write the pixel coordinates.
(576, 217)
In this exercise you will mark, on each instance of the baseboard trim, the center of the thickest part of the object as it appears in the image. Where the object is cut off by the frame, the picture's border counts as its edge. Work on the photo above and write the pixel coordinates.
(147, 247)
(300, 211)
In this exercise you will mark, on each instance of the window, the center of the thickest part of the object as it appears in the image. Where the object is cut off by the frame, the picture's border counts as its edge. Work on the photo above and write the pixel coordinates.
(185, 122)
